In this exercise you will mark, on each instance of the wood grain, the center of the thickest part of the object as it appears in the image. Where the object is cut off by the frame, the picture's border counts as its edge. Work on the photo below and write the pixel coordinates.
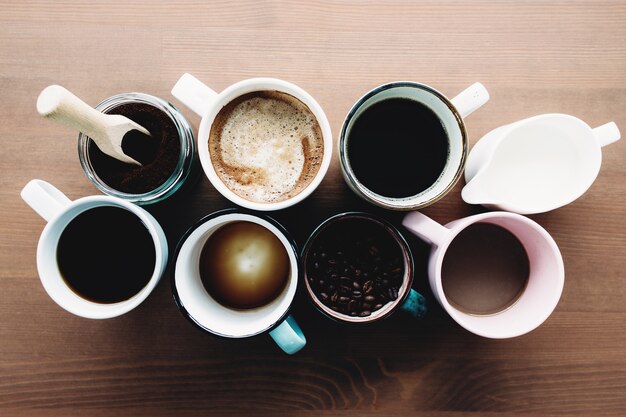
(534, 57)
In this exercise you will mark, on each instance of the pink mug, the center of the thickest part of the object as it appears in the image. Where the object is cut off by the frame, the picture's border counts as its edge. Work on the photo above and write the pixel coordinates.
(537, 299)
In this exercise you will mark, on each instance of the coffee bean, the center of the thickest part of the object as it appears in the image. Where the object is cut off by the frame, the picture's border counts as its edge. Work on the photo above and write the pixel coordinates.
(345, 281)
(356, 272)
(393, 293)
(344, 289)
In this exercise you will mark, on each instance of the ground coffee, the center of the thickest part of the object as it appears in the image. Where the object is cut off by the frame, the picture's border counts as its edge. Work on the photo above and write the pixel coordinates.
(158, 154)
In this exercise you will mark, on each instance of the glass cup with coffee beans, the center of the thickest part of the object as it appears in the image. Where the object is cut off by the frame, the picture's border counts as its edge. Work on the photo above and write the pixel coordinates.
(359, 269)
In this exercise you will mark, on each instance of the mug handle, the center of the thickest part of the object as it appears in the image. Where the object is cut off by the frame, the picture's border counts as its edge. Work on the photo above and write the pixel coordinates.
(426, 228)
(415, 305)
(607, 134)
(288, 336)
(43, 197)
(193, 93)
(470, 99)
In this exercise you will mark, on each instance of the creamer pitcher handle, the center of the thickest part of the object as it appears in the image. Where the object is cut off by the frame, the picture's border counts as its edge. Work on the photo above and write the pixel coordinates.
(607, 133)
(193, 93)
(470, 99)
(44, 198)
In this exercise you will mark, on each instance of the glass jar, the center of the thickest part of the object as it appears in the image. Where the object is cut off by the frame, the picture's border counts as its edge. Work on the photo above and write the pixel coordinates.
(186, 166)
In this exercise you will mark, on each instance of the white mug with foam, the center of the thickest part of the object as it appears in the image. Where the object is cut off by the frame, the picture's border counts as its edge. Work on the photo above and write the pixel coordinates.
(207, 103)
(536, 164)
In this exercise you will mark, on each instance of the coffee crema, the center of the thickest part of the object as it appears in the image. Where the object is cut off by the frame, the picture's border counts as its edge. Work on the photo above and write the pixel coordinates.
(266, 146)
(244, 265)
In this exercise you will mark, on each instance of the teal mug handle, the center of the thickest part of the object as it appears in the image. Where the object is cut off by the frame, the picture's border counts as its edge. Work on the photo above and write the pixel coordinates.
(415, 304)
(288, 336)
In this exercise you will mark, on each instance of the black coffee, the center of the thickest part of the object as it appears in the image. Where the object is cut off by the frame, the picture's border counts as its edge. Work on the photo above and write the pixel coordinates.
(397, 147)
(485, 269)
(106, 254)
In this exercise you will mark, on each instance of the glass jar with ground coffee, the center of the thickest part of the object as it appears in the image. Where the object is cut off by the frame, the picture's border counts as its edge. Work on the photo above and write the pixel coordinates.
(168, 157)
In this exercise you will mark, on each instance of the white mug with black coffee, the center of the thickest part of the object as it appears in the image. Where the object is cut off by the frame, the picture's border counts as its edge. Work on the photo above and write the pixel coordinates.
(99, 256)
(403, 145)
(264, 143)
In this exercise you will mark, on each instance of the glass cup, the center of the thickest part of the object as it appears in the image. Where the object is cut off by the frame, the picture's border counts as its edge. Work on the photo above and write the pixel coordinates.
(186, 167)
(318, 268)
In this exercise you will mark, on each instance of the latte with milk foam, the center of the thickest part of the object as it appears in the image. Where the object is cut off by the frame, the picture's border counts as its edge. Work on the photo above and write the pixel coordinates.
(266, 146)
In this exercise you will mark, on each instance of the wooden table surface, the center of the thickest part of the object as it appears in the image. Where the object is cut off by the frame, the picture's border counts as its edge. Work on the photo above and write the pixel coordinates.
(534, 57)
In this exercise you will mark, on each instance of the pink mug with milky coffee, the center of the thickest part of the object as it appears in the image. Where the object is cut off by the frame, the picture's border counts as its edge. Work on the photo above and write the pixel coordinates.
(497, 274)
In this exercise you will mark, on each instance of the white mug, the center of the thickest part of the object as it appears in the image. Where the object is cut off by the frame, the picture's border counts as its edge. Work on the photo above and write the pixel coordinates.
(207, 104)
(536, 164)
(58, 210)
(545, 282)
(450, 112)
(204, 311)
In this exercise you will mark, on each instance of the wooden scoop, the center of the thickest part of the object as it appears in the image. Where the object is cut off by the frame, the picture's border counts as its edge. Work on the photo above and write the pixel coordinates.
(106, 130)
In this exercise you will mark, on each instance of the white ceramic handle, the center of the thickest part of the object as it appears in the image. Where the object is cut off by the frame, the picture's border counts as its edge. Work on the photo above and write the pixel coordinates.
(426, 228)
(470, 99)
(193, 93)
(607, 133)
(44, 198)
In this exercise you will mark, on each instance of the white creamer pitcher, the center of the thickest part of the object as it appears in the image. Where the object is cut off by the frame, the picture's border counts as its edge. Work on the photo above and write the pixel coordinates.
(536, 164)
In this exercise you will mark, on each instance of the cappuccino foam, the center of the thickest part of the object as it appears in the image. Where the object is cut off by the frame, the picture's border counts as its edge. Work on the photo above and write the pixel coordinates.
(266, 146)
